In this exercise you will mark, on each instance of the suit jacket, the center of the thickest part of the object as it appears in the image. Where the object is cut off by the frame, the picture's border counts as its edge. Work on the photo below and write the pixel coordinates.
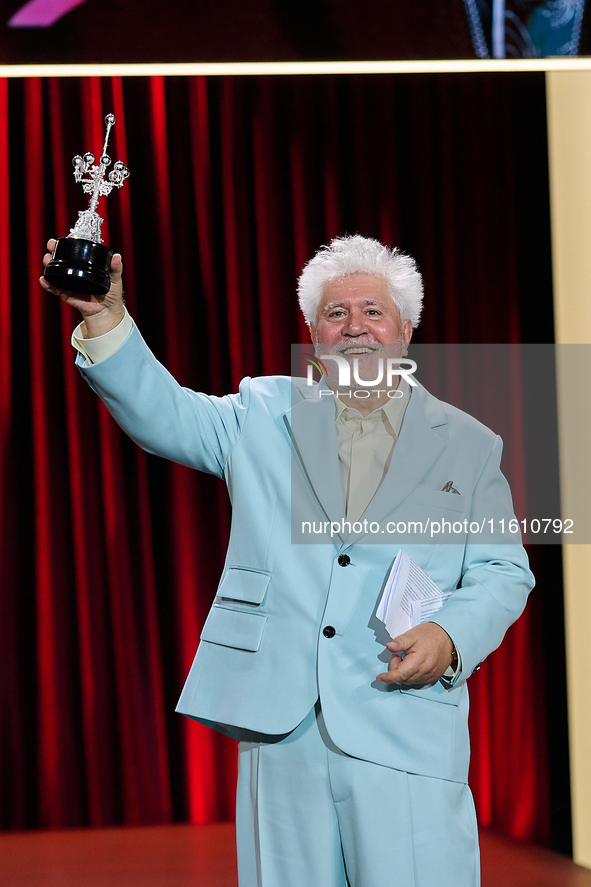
(264, 657)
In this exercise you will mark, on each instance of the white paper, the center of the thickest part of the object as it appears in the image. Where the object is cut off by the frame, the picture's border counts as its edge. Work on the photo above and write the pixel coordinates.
(409, 597)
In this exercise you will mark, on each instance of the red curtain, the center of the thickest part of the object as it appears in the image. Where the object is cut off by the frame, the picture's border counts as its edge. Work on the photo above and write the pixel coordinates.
(110, 558)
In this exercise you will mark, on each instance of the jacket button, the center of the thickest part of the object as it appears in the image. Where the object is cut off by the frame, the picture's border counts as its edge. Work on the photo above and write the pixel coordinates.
(344, 560)
(329, 631)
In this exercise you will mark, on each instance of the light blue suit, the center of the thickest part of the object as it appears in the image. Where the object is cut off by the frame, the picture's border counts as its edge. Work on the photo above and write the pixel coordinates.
(275, 597)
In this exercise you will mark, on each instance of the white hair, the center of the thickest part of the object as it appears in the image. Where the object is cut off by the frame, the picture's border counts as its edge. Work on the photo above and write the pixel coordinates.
(354, 254)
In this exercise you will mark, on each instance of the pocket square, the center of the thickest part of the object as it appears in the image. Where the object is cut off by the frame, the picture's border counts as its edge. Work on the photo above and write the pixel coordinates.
(449, 488)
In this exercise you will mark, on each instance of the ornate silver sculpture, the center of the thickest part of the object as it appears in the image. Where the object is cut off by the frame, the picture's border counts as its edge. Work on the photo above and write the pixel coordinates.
(81, 262)
(89, 222)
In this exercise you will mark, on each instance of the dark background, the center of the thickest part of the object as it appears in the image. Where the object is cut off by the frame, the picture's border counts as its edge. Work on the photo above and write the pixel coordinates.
(245, 30)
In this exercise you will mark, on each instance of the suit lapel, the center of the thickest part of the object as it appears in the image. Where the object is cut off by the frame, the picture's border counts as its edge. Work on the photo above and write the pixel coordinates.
(416, 450)
(311, 425)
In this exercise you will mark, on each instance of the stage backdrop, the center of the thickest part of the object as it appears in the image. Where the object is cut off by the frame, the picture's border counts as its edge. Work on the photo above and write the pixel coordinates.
(109, 557)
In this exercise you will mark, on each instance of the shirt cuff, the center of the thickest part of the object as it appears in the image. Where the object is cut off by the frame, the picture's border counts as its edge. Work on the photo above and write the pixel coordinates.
(100, 347)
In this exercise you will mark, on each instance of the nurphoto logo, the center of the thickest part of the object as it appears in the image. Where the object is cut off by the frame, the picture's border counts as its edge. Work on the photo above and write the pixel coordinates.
(387, 368)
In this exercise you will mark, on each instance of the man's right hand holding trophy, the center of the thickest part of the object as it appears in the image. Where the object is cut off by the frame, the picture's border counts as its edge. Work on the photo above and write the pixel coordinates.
(100, 314)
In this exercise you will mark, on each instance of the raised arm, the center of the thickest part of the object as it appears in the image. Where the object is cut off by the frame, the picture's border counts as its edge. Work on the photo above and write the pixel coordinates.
(162, 417)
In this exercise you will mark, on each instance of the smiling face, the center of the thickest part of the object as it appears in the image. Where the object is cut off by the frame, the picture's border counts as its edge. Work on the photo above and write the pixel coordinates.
(358, 318)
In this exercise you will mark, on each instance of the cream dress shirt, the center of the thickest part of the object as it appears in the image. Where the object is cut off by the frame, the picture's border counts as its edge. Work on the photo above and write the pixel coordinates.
(365, 445)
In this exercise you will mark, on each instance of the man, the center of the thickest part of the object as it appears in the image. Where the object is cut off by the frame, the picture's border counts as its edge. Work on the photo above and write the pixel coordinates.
(353, 747)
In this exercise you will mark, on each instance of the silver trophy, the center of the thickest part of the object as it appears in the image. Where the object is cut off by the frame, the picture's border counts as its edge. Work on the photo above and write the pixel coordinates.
(81, 262)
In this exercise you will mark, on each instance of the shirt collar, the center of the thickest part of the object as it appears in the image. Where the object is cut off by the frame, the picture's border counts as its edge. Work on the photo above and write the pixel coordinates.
(394, 408)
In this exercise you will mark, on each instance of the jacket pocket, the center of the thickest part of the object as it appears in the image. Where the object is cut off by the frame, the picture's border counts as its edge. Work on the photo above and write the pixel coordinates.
(437, 499)
(244, 585)
(234, 628)
(437, 693)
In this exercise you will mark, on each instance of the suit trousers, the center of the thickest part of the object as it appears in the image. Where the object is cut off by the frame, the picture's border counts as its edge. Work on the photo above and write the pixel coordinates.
(308, 815)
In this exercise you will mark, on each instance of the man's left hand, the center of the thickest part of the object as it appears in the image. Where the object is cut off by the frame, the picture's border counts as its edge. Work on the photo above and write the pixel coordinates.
(427, 652)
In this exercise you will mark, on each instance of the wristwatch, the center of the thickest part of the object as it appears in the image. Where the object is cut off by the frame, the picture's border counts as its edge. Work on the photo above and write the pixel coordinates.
(454, 658)
(449, 675)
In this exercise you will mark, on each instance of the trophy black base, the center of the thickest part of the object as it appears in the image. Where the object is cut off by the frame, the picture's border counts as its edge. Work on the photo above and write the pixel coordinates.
(81, 266)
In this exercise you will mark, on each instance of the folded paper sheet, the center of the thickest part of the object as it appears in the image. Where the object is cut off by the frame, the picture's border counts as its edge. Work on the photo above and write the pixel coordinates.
(409, 597)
